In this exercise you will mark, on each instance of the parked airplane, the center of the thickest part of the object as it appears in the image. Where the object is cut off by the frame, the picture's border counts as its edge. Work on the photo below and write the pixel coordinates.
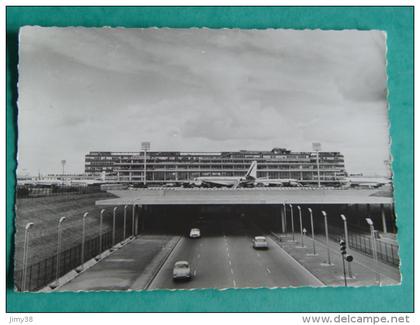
(249, 180)
(230, 181)
(54, 181)
(366, 182)
(287, 182)
(40, 182)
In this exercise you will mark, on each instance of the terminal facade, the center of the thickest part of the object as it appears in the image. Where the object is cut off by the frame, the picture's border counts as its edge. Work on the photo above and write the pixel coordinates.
(163, 167)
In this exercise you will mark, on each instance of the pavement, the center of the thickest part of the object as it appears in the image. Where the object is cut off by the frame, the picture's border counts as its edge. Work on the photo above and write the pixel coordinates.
(364, 268)
(124, 268)
(225, 258)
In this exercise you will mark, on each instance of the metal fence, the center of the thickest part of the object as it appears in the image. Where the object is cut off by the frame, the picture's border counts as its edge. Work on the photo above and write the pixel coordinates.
(40, 274)
(386, 252)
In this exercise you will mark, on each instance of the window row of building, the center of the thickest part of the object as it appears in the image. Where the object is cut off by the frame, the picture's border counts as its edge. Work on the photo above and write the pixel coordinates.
(163, 167)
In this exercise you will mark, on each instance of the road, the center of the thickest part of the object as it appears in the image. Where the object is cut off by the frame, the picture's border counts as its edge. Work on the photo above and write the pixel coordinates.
(224, 258)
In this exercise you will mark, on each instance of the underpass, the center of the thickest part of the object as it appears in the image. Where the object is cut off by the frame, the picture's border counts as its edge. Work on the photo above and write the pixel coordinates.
(224, 257)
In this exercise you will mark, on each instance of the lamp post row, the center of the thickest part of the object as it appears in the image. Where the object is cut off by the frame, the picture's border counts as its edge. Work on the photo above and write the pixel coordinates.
(56, 283)
(284, 222)
(346, 236)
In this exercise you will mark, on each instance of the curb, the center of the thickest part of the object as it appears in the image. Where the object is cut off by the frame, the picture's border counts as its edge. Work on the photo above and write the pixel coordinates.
(71, 275)
(161, 263)
(277, 239)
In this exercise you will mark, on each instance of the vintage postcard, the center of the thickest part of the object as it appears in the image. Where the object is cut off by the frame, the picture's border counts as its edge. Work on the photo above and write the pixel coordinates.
(203, 158)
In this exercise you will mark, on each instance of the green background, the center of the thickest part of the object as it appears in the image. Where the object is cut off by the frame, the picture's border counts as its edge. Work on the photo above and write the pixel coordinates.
(396, 21)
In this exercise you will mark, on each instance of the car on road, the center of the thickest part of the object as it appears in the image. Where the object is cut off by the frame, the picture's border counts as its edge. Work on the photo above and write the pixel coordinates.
(260, 242)
(195, 233)
(182, 271)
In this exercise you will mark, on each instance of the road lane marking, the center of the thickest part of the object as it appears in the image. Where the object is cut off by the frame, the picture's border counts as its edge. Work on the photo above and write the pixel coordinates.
(234, 283)
(303, 268)
(258, 254)
(268, 270)
(231, 270)
(120, 260)
(230, 263)
(163, 264)
(195, 272)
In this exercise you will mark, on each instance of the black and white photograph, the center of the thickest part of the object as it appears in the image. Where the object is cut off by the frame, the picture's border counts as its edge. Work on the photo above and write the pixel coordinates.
(162, 158)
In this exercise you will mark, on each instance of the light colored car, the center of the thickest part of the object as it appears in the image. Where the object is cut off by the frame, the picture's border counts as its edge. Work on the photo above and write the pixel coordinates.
(260, 242)
(181, 271)
(195, 233)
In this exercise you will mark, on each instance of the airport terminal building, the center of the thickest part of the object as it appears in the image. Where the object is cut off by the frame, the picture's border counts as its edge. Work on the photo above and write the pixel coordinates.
(164, 167)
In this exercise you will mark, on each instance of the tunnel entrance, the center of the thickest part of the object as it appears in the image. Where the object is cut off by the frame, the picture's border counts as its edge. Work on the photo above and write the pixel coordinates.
(262, 218)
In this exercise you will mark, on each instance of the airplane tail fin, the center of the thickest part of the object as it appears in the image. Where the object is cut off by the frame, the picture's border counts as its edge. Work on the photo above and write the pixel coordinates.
(252, 171)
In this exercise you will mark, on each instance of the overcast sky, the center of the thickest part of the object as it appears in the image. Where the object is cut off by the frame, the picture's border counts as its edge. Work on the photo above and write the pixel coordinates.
(86, 89)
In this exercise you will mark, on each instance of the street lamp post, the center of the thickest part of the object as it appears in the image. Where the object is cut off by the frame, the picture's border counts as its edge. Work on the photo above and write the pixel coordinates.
(114, 212)
(384, 227)
(59, 237)
(125, 220)
(293, 223)
(132, 220)
(301, 228)
(145, 146)
(25, 255)
(373, 245)
(82, 253)
(285, 217)
(101, 220)
(346, 236)
(140, 218)
(312, 229)
(281, 220)
(326, 235)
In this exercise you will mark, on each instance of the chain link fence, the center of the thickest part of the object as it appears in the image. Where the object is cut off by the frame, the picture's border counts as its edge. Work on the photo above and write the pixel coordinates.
(42, 273)
(387, 252)
(24, 191)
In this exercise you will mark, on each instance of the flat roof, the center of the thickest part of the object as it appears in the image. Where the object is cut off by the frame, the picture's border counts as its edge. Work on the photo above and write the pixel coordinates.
(224, 196)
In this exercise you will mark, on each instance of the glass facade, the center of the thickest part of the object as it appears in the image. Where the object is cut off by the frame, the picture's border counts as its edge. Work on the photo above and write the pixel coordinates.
(173, 167)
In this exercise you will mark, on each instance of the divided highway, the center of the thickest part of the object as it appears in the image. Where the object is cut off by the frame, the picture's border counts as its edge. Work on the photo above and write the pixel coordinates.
(224, 258)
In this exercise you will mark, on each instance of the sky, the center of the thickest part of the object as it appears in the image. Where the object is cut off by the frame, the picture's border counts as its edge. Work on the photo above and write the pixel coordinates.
(109, 89)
